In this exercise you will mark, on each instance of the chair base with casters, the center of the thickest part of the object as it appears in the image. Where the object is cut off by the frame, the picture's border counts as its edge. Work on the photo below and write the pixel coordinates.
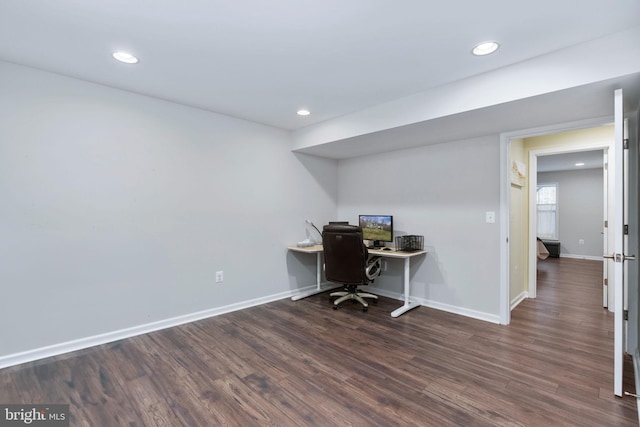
(351, 292)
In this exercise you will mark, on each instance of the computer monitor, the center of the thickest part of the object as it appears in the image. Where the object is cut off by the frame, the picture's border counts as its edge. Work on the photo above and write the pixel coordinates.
(377, 228)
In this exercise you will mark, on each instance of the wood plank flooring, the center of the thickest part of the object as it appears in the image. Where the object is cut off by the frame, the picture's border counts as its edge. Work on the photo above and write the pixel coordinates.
(303, 364)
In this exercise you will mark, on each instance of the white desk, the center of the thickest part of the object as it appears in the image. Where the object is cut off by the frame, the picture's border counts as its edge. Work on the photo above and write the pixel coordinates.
(406, 256)
(315, 249)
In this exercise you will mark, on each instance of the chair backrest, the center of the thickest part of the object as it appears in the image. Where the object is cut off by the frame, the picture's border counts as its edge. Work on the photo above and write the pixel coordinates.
(345, 255)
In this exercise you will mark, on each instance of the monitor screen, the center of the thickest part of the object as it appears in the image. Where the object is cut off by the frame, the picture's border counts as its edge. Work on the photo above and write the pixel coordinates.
(378, 228)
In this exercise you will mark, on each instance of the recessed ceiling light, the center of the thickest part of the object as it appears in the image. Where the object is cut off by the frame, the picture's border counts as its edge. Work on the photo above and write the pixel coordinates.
(304, 112)
(125, 57)
(485, 48)
(580, 164)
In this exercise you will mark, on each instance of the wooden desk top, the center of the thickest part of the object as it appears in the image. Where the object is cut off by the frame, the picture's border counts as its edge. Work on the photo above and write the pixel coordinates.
(395, 254)
(308, 249)
(390, 254)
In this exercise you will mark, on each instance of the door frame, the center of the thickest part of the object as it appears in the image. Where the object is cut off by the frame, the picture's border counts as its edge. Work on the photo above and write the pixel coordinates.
(505, 200)
(533, 182)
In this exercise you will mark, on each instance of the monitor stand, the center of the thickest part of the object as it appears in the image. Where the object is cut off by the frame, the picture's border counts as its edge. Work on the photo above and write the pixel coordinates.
(376, 244)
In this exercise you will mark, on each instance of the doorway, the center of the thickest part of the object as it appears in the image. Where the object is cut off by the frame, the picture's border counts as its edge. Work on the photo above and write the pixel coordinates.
(574, 222)
(518, 272)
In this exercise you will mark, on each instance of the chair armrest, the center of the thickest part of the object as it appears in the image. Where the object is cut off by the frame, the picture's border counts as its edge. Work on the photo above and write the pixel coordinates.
(373, 267)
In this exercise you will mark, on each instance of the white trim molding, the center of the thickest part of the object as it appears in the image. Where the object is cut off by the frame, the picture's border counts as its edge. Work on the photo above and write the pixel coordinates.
(87, 342)
(517, 300)
(487, 317)
(83, 343)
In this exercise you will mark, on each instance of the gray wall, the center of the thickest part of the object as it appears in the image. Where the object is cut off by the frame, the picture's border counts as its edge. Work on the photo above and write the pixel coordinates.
(580, 210)
(442, 193)
(118, 209)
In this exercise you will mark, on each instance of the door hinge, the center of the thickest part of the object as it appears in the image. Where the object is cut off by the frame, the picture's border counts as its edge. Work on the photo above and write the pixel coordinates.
(606, 282)
(625, 143)
(626, 314)
(606, 224)
(626, 229)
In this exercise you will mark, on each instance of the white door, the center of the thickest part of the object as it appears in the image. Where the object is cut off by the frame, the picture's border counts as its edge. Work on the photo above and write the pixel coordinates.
(617, 256)
(605, 232)
(625, 235)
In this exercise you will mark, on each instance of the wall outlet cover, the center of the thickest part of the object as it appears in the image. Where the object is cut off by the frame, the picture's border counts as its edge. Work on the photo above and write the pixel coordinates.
(490, 217)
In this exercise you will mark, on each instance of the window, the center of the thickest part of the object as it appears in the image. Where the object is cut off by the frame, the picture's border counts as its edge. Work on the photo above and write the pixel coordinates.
(547, 207)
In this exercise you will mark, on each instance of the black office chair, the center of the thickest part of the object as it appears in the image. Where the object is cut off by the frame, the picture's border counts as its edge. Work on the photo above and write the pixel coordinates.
(347, 262)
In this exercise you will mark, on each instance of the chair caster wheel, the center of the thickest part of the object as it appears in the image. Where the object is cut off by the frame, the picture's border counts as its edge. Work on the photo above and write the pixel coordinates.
(335, 307)
(365, 309)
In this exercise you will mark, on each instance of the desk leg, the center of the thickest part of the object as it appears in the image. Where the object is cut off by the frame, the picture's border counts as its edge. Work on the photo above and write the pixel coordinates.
(319, 288)
(408, 305)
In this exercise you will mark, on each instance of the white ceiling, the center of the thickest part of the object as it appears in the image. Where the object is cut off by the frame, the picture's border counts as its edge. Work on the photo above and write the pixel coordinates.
(262, 61)
(567, 161)
(569, 106)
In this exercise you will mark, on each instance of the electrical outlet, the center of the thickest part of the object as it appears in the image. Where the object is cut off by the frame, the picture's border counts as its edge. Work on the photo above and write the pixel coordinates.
(581, 241)
(490, 217)
(219, 276)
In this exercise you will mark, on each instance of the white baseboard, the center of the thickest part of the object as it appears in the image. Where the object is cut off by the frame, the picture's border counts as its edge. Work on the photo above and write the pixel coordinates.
(82, 343)
(517, 300)
(590, 257)
(487, 317)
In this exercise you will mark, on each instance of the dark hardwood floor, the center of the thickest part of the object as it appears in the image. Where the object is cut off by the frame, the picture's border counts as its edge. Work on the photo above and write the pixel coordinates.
(303, 364)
